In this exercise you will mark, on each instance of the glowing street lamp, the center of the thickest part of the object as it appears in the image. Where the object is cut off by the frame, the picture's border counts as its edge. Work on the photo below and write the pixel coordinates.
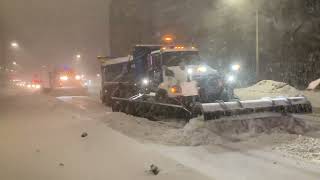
(236, 3)
(14, 45)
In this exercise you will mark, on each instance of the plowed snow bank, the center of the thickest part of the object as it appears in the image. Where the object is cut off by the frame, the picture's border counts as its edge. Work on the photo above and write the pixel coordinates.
(267, 88)
(200, 132)
(306, 148)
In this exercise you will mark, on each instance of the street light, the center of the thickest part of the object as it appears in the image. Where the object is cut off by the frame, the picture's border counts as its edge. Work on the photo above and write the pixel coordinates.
(256, 6)
(14, 45)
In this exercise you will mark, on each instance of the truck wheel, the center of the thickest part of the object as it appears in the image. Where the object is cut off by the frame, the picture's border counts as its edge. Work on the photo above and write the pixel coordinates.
(130, 109)
(107, 100)
(115, 106)
(102, 98)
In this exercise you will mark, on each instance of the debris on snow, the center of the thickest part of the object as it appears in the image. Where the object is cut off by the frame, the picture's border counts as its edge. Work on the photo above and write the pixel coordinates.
(61, 164)
(84, 134)
(302, 147)
(154, 169)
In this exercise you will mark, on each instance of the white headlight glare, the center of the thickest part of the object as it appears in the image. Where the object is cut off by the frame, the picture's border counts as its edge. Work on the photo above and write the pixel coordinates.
(202, 69)
(64, 78)
(231, 79)
(190, 71)
(235, 67)
(78, 77)
(145, 81)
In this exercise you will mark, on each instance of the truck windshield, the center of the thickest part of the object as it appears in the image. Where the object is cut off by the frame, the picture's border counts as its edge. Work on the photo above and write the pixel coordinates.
(175, 58)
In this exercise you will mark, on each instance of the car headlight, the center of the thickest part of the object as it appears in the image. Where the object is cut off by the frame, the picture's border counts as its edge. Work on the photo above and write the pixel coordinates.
(38, 86)
(202, 69)
(64, 78)
(190, 70)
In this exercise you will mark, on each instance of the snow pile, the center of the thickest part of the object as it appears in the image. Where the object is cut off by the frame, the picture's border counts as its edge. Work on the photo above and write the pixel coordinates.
(306, 148)
(142, 129)
(267, 88)
(314, 85)
(200, 132)
(194, 133)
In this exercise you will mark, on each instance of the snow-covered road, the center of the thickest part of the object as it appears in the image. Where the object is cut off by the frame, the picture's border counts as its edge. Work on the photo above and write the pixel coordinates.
(40, 138)
(253, 159)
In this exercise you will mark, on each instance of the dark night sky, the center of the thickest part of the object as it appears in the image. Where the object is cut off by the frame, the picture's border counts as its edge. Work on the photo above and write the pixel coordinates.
(53, 32)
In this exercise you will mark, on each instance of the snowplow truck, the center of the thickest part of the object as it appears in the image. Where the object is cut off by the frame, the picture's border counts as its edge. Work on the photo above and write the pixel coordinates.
(174, 82)
(63, 82)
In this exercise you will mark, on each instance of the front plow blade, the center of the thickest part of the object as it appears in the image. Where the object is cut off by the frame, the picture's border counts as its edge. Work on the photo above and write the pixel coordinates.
(216, 110)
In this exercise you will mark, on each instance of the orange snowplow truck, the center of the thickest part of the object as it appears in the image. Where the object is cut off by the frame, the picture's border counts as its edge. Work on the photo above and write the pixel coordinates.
(67, 79)
(64, 80)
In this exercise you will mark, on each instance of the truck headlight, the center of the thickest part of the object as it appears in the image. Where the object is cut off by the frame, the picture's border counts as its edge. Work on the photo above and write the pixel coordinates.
(190, 70)
(231, 79)
(145, 81)
(64, 78)
(235, 67)
(78, 77)
(202, 69)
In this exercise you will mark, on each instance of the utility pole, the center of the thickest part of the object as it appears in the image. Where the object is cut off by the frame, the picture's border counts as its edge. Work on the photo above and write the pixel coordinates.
(257, 45)
(255, 4)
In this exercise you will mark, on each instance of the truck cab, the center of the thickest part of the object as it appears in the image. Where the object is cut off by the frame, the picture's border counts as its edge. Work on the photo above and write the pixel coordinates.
(179, 71)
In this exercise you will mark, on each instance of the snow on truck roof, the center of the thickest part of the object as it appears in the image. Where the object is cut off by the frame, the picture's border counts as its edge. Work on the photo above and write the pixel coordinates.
(118, 60)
